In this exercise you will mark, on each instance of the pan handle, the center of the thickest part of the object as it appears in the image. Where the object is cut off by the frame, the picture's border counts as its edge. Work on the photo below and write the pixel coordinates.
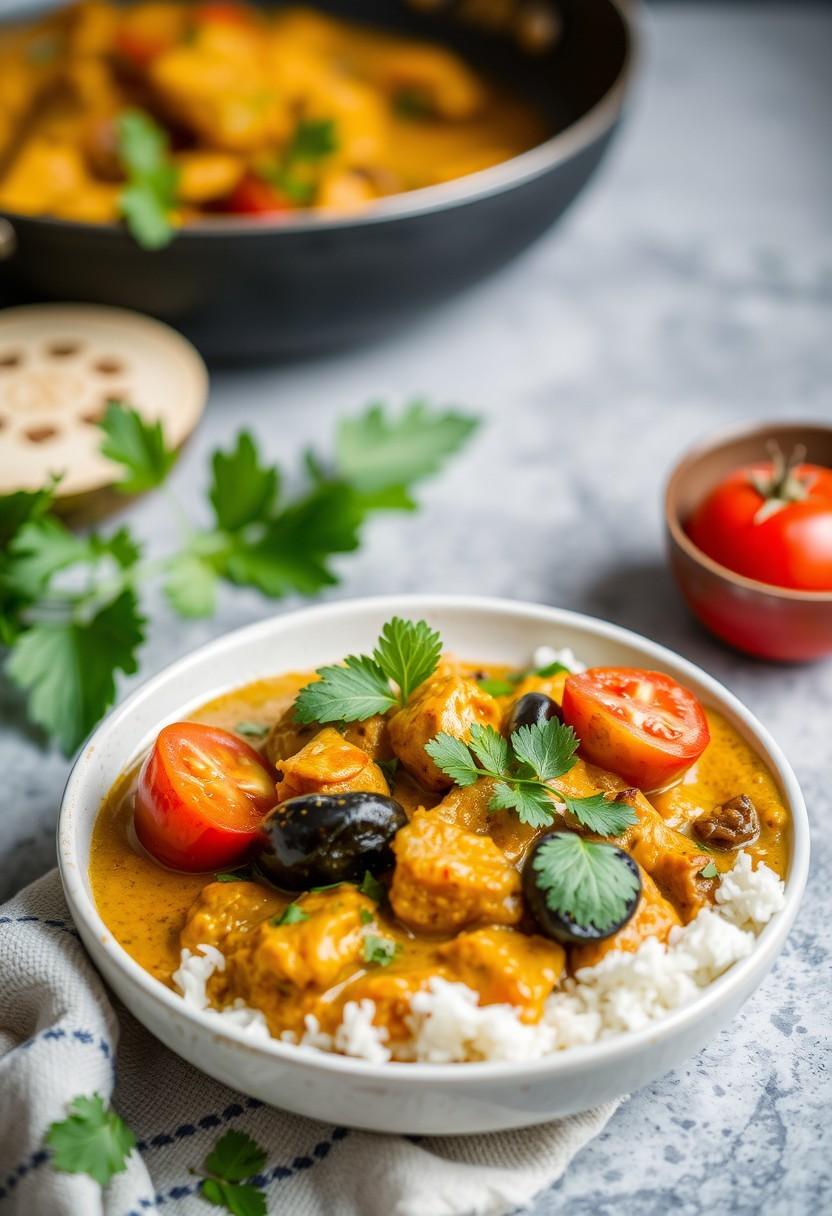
(8, 240)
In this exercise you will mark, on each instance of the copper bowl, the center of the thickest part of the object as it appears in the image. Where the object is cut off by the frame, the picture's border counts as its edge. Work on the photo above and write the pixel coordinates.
(759, 618)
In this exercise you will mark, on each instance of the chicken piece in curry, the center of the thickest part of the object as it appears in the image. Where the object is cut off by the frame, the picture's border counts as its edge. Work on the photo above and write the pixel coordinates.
(331, 861)
(225, 108)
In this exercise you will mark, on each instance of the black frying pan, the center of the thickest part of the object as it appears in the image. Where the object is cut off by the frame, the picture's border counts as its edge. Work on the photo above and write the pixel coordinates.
(245, 289)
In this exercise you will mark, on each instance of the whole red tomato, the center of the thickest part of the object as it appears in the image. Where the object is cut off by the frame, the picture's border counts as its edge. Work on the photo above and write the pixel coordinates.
(771, 522)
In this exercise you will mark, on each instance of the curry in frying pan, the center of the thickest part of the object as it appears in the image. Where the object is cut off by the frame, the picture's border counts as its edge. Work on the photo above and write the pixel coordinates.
(160, 113)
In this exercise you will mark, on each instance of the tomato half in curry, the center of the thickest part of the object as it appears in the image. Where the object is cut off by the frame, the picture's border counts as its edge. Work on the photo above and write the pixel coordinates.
(446, 897)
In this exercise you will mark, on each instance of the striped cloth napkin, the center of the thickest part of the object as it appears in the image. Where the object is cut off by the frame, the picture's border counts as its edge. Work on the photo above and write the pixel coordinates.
(62, 1034)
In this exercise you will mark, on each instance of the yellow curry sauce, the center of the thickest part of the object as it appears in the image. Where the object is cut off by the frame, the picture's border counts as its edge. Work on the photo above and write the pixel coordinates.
(265, 111)
(455, 907)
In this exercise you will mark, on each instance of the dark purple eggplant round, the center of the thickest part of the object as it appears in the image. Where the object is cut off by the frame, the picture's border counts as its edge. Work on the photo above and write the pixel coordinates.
(317, 839)
(559, 925)
(532, 709)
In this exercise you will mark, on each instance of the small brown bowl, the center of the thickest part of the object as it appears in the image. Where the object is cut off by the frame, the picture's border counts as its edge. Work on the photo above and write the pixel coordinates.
(767, 621)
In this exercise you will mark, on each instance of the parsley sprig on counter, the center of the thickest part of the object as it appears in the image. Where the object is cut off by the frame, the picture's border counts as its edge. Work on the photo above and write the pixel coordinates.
(407, 653)
(70, 612)
(523, 766)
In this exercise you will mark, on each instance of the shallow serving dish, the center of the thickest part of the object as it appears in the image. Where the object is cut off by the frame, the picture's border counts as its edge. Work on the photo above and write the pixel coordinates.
(251, 288)
(410, 1098)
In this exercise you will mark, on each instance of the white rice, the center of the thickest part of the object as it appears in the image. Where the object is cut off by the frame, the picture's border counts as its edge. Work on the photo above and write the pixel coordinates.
(625, 991)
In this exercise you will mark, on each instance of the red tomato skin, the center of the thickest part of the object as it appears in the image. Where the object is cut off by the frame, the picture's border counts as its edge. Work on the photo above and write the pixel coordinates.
(179, 835)
(648, 762)
(222, 12)
(791, 548)
(140, 49)
(253, 196)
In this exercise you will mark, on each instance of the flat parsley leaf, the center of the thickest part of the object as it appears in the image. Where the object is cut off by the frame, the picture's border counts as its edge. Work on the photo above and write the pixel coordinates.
(252, 730)
(523, 765)
(601, 814)
(234, 1158)
(91, 1140)
(408, 653)
(149, 196)
(379, 950)
(137, 445)
(242, 489)
(375, 452)
(68, 669)
(191, 586)
(490, 748)
(495, 686)
(547, 747)
(454, 759)
(357, 690)
(585, 880)
(235, 1198)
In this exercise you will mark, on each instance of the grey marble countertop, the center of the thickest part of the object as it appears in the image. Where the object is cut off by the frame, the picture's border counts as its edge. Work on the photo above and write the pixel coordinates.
(690, 289)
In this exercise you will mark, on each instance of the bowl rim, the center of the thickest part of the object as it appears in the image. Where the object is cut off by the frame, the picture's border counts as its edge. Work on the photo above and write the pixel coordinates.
(704, 447)
(470, 188)
(606, 1051)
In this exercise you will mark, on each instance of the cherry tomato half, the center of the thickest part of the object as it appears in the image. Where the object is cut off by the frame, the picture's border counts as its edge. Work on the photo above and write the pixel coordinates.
(253, 196)
(201, 795)
(770, 522)
(639, 724)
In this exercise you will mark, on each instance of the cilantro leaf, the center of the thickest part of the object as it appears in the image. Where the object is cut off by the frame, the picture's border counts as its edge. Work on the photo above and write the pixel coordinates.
(40, 549)
(532, 804)
(453, 758)
(252, 730)
(313, 139)
(365, 916)
(232, 876)
(292, 914)
(547, 747)
(379, 950)
(191, 586)
(710, 871)
(137, 445)
(489, 746)
(91, 1140)
(551, 669)
(121, 547)
(601, 814)
(408, 653)
(242, 489)
(68, 669)
(235, 1157)
(496, 687)
(237, 1199)
(375, 452)
(589, 882)
(149, 196)
(357, 690)
(371, 887)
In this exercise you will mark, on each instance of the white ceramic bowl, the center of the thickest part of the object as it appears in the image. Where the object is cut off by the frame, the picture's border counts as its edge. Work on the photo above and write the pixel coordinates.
(423, 1098)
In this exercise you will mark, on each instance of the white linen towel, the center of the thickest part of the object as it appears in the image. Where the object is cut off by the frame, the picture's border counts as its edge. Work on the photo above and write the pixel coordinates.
(62, 1034)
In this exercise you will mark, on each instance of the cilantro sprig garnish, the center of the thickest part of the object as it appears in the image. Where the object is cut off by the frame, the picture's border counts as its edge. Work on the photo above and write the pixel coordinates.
(91, 1140)
(293, 914)
(499, 686)
(70, 611)
(234, 1160)
(313, 140)
(523, 767)
(148, 198)
(585, 880)
(407, 653)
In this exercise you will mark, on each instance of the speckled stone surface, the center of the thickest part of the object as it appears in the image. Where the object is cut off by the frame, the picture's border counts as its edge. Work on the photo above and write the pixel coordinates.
(690, 289)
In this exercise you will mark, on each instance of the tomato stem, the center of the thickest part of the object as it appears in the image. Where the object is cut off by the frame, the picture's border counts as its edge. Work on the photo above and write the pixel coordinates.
(781, 485)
